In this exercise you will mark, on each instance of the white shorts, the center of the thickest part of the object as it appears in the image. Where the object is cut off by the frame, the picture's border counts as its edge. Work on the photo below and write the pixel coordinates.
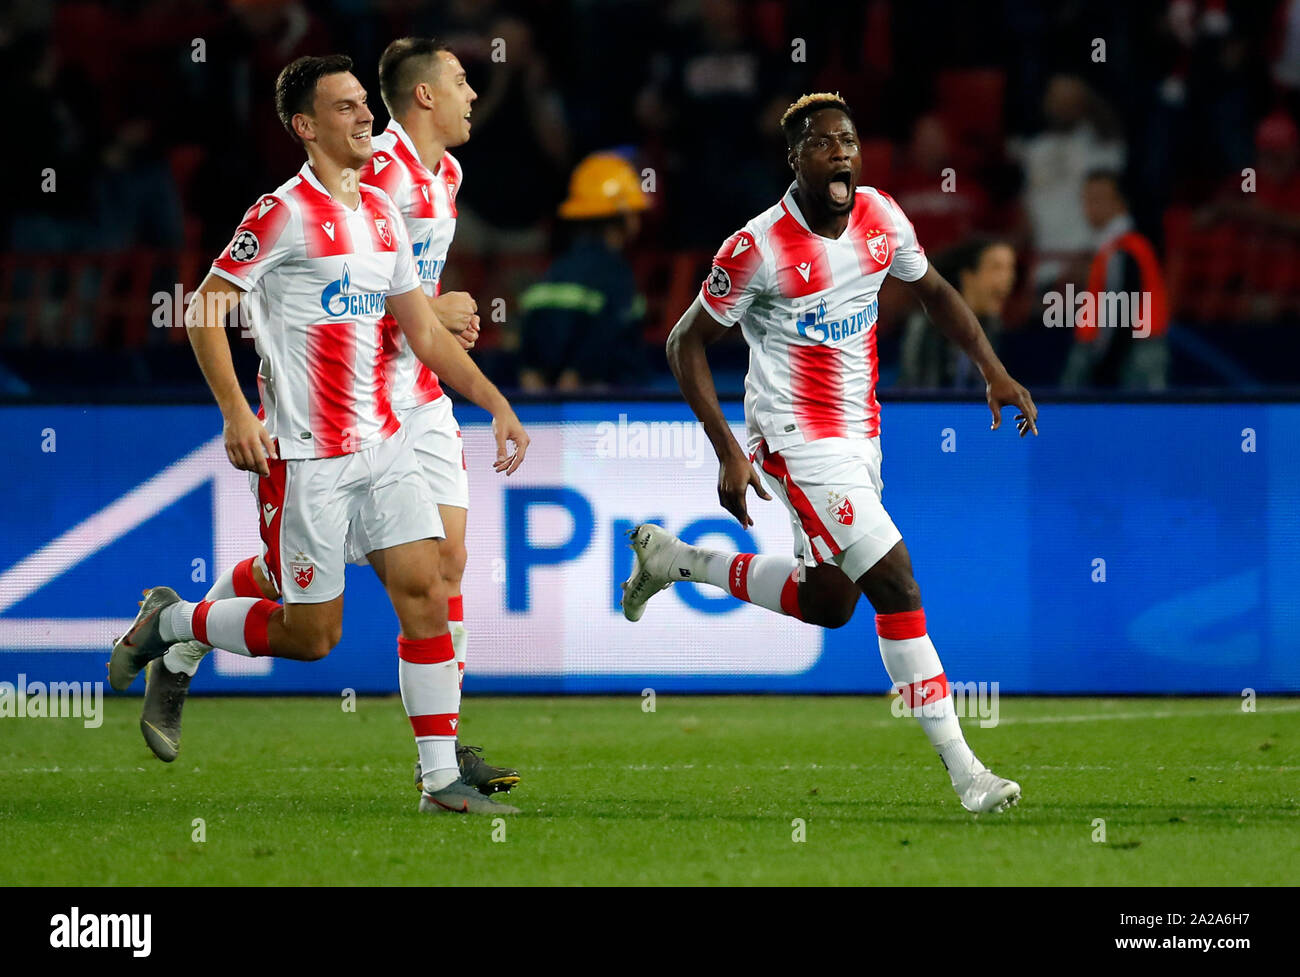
(832, 489)
(306, 506)
(432, 432)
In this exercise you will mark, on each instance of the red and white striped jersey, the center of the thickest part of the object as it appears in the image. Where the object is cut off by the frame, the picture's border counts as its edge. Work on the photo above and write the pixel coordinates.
(427, 200)
(807, 305)
(316, 275)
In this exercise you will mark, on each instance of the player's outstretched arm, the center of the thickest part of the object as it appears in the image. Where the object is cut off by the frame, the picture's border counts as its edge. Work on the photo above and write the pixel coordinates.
(248, 444)
(690, 365)
(947, 310)
(437, 349)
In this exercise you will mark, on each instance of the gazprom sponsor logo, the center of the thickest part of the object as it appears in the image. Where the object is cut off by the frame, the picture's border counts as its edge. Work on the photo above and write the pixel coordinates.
(338, 299)
(814, 327)
(428, 268)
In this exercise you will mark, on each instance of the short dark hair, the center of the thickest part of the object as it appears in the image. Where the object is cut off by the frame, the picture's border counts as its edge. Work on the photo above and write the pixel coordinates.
(295, 89)
(792, 122)
(966, 256)
(403, 65)
(1113, 177)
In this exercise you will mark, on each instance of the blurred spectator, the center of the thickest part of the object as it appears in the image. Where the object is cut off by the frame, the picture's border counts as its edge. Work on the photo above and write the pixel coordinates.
(1081, 136)
(1120, 331)
(984, 271)
(582, 321)
(943, 207)
(1274, 203)
(715, 97)
(518, 119)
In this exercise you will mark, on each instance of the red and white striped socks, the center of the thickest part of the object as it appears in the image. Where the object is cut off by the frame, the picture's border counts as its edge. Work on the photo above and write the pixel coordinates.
(430, 680)
(914, 667)
(768, 581)
(238, 624)
(238, 581)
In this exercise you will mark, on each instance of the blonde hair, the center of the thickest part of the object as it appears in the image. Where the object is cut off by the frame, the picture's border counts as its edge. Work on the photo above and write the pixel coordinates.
(806, 105)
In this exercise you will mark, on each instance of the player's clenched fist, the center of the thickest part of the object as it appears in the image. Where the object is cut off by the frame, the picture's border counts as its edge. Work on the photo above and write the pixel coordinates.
(248, 445)
(735, 475)
(456, 311)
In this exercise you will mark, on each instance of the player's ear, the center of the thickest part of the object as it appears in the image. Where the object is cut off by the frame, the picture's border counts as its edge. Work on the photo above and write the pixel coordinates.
(790, 157)
(304, 127)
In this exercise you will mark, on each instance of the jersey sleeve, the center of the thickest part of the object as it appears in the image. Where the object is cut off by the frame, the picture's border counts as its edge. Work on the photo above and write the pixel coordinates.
(735, 278)
(909, 262)
(405, 275)
(263, 240)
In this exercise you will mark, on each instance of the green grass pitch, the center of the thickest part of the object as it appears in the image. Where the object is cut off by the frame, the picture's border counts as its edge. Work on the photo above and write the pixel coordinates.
(702, 790)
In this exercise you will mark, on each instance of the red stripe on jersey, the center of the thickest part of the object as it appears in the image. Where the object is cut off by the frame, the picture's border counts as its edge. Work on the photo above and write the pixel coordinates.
(382, 388)
(801, 265)
(381, 222)
(331, 376)
(739, 257)
(901, 625)
(383, 170)
(738, 576)
(270, 509)
(427, 387)
(871, 221)
(873, 375)
(449, 172)
(324, 224)
(812, 524)
(423, 196)
(265, 220)
(817, 391)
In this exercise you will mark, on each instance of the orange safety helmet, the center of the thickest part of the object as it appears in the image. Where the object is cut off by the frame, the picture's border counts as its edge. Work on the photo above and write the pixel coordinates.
(603, 185)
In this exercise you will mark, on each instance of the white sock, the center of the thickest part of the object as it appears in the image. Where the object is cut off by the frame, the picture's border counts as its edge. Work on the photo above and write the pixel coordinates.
(185, 656)
(914, 667)
(430, 682)
(768, 581)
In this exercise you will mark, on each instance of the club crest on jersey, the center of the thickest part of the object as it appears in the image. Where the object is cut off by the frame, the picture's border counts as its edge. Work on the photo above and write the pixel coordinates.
(719, 283)
(303, 572)
(245, 246)
(381, 225)
(840, 508)
(878, 246)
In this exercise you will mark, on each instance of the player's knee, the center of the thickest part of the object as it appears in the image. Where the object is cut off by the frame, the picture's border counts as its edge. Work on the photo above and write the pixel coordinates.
(894, 594)
(840, 613)
(322, 641)
(451, 561)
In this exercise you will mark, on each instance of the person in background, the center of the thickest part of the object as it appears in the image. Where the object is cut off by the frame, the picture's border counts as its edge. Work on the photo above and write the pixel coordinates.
(582, 321)
(984, 271)
(1121, 342)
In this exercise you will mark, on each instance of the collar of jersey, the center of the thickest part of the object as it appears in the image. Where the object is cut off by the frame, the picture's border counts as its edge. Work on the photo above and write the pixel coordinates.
(792, 208)
(309, 175)
(404, 137)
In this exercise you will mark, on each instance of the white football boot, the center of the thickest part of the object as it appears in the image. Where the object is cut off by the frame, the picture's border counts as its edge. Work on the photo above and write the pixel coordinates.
(653, 548)
(986, 792)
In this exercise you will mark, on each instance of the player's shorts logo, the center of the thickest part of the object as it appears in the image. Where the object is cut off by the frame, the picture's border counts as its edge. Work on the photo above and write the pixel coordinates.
(840, 508)
(303, 574)
(878, 246)
(719, 283)
(245, 246)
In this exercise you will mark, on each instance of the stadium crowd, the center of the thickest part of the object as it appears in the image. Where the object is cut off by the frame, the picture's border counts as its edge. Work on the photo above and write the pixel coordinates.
(1034, 146)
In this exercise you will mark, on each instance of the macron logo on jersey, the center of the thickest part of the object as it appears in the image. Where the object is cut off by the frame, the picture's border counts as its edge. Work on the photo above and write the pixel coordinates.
(264, 206)
(814, 327)
(337, 298)
(380, 162)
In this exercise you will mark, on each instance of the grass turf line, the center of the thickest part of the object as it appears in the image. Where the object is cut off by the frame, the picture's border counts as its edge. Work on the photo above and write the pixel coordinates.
(702, 790)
